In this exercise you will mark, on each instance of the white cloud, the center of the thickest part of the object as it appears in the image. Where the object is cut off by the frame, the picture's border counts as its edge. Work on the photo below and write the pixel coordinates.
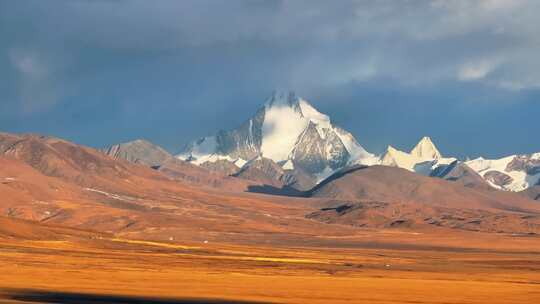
(475, 71)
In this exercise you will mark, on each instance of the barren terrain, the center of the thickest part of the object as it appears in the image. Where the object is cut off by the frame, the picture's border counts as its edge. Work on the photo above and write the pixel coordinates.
(77, 226)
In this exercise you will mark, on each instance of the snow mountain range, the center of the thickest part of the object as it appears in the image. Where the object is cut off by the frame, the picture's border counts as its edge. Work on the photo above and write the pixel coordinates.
(512, 173)
(289, 143)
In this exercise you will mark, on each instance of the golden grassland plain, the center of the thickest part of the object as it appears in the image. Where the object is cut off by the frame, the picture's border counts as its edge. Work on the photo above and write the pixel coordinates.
(483, 270)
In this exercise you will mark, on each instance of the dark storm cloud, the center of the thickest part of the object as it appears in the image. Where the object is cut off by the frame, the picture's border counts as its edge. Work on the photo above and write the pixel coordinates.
(105, 71)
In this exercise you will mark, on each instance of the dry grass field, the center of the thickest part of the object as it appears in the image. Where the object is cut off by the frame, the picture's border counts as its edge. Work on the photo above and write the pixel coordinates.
(377, 267)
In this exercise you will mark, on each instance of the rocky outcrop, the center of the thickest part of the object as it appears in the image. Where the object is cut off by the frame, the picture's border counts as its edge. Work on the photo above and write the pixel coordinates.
(264, 170)
(525, 163)
(140, 152)
(222, 166)
(498, 178)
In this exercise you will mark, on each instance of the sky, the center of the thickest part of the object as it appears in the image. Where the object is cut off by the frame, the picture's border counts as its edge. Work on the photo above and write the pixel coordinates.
(99, 72)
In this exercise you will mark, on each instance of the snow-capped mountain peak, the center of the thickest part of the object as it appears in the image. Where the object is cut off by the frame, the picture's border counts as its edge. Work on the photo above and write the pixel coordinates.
(423, 158)
(282, 98)
(396, 158)
(282, 125)
(309, 112)
(390, 149)
(425, 149)
(289, 131)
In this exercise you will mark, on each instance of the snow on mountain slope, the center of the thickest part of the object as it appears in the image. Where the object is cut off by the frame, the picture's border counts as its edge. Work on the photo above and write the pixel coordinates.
(426, 149)
(396, 158)
(423, 158)
(359, 155)
(283, 124)
(289, 131)
(204, 151)
(512, 173)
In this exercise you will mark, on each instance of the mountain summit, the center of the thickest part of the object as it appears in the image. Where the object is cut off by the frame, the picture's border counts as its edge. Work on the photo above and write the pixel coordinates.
(423, 158)
(425, 149)
(289, 131)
